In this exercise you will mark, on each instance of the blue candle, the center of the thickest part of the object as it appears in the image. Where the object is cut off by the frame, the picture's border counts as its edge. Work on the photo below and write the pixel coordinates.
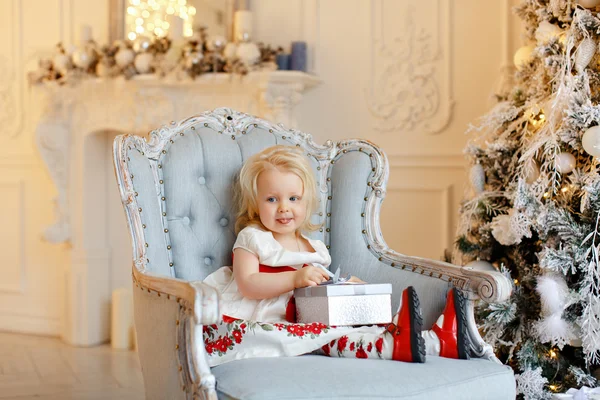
(283, 61)
(298, 61)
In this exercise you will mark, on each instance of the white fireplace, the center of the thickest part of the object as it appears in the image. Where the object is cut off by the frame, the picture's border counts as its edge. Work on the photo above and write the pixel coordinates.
(74, 136)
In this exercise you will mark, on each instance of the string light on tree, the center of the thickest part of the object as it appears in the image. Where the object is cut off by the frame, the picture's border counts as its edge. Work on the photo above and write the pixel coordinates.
(155, 17)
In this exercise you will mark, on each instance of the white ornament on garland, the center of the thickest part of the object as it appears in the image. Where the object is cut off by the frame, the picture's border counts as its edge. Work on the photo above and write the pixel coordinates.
(143, 62)
(585, 53)
(124, 57)
(477, 177)
(193, 58)
(248, 53)
(589, 3)
(523, 56)
(565, 162)
(216, 43)
(83, 58)
(591, 141)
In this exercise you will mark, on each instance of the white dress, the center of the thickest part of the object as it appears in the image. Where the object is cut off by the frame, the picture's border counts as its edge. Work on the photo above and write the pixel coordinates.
(270, 253)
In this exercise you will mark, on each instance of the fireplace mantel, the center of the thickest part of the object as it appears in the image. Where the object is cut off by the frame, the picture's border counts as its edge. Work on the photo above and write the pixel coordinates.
(71, 113)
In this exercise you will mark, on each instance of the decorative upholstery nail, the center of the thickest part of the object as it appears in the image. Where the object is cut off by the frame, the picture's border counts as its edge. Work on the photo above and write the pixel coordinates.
(202, 180)
(166, 231)
(360, 149)
(144, 226)
(169, 247)
(159, 166)
(366, 198)
(223, 222)
(164, 152)
(364, 231)
(368, 246)
(140, 209)
(170, 264)
(255, 125)
(380, 259)
(270, 130)
(328, 179)
(362, 214)
(233, 137)
(321, 214)
(328, 247)
(393, 264)
(318, 168)
(205, 124)
(243, 132)
(328, 197)
(373, 169)
(146, 244)
(328, 230)
(177, 322)
(284, 137)
(329, 214)
(161, 181)
(164, 214)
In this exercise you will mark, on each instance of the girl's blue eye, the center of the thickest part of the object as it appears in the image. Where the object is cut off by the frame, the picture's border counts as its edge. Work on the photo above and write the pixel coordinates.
(271, 200)
(293, 198)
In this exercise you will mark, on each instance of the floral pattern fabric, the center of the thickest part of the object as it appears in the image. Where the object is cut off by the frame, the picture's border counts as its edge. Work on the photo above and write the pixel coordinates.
(234, 339)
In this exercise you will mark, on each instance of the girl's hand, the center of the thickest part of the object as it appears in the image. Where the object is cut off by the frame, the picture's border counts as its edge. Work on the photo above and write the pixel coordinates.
(309, 276)
(354, 279)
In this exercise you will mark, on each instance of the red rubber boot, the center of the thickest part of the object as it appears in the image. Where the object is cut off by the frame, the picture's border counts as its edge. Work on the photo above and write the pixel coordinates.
(453, 334)
(409, 345)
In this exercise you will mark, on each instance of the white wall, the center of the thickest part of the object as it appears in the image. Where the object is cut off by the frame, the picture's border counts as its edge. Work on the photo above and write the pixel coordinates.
(427, 177)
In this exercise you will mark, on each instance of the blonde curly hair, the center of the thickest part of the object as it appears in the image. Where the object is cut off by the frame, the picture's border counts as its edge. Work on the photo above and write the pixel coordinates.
(284, 158)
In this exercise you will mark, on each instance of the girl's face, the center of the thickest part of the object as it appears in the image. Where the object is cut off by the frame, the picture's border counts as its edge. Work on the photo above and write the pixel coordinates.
(281, 208)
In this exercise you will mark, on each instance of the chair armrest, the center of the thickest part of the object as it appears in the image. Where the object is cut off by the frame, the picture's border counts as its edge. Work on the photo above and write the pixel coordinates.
(198, 306)
(199, 298)
(490, 286)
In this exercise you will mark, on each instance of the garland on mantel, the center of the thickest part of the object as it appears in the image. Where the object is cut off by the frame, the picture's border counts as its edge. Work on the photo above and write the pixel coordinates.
(180, 59)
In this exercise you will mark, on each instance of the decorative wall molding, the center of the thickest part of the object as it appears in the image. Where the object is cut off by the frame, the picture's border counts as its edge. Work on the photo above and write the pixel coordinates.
(12, 87)
(14, 278)
(446, 193)
(427, 161)
(411, 72)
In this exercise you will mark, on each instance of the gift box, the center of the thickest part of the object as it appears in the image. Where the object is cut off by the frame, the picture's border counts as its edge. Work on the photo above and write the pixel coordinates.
(345, 304)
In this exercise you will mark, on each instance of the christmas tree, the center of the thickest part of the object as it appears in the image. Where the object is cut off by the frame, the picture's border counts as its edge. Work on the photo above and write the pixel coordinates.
(533, 211)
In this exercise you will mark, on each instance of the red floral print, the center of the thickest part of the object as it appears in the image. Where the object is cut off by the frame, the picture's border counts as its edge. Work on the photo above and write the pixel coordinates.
(352, 346)
(342, 342)
(379, 345)
(370, 347)
(360, 353)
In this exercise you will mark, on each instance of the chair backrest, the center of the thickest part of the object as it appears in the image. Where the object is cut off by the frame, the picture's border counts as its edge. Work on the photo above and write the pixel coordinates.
(177, 187)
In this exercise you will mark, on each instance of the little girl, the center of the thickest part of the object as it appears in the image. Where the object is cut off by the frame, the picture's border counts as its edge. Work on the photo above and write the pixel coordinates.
(272, 257)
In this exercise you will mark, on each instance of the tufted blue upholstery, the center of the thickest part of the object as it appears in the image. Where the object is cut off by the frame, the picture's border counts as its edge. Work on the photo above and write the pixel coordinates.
(194, 202)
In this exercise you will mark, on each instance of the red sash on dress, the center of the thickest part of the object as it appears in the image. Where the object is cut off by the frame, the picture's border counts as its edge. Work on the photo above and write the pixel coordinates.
(290, 309)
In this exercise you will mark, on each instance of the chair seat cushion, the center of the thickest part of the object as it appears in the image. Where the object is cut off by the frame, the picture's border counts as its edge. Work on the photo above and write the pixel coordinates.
(320, 377)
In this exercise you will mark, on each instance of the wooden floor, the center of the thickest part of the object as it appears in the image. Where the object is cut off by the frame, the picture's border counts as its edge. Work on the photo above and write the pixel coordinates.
(35, 367)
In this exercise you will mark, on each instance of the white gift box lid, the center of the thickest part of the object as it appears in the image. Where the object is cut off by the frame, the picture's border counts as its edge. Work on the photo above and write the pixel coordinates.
(344, 289)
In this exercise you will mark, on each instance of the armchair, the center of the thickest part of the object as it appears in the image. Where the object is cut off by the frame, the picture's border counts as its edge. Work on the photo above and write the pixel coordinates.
(176, 189)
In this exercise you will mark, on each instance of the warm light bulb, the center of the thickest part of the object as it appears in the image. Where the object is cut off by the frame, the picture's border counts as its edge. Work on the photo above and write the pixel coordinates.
(564, 189)
(553, 388)
(516, 281)
(546, 195)
(552, 354)
(131, 36)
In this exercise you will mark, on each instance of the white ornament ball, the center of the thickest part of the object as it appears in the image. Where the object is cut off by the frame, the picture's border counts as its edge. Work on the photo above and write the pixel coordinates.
(477, 177)
(591, 141)
(143, 63)
(82, 58)
(142, 44)
(216, 43)
(547, 31)
(532, 173)
(565, 162)
(248, 53)
(481, 265)
(61, 62)
(589, 3)
(523, 56)
(124, 57)
(230, 51)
